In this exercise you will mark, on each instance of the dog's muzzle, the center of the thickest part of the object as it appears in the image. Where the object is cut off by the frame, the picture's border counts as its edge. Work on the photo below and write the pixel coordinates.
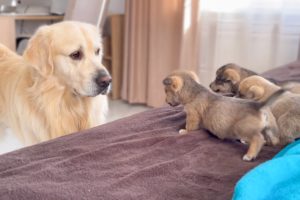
(103, 81)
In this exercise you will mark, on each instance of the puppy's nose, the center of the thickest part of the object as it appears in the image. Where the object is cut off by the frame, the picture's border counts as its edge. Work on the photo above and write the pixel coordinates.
(103, 79)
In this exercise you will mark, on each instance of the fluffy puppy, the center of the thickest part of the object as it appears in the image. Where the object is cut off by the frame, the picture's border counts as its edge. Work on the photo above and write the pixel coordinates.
(228, 78)
(57, 87)
(225, 117)
(285, 109)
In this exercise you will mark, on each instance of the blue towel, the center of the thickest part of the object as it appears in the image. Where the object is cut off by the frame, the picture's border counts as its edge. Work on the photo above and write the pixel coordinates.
(276, 179)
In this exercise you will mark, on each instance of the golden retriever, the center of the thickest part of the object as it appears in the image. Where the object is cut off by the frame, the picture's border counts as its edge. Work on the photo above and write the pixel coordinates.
(58, 87)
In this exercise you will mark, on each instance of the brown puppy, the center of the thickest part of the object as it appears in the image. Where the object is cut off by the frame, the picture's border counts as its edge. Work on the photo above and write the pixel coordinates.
(228, 78)
(225, 117)
(285, 109)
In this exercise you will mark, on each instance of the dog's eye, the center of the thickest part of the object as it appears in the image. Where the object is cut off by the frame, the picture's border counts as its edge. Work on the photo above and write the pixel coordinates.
(77, 55)
(97, 52)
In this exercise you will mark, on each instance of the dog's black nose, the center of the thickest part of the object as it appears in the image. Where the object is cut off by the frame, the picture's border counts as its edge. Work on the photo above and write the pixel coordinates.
(103, 79)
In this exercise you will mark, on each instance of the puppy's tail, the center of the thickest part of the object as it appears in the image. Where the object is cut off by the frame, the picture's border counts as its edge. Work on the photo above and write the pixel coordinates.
(271, 98)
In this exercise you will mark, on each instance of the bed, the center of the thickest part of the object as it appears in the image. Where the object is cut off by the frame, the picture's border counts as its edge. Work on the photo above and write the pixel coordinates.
(138, 157)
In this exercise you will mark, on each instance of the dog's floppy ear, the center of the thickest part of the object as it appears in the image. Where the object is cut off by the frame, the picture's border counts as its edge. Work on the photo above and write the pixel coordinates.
(38, 52)
(256, 92)
(232, 75)
(174, 82)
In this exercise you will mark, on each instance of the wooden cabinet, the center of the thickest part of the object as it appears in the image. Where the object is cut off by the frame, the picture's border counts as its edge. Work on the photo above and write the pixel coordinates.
(8, 26)
(113, 53)
(7, 32)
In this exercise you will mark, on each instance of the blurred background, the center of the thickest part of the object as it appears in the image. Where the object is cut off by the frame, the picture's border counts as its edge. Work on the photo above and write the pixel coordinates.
(144, 40)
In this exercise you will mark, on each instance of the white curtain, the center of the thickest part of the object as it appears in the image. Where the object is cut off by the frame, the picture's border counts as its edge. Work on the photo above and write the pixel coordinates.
(257, 34)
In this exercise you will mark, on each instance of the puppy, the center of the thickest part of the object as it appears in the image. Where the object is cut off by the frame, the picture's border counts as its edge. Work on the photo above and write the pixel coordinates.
(228, 78)
(225, 117)
(285, 109)
(58, 87)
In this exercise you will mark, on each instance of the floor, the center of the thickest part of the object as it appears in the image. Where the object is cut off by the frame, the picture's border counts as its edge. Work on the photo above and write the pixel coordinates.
(117, 109)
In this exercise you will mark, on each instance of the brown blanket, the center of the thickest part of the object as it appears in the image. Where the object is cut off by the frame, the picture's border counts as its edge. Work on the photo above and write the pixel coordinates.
(140, 157)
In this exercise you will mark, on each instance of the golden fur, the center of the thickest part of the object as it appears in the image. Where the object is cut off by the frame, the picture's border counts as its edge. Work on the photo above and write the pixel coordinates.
(285, 109)
(225, 117)
(51, 91)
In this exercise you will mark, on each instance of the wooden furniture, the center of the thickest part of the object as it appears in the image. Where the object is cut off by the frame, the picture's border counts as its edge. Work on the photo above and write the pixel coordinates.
(8, 26)
(113, 53)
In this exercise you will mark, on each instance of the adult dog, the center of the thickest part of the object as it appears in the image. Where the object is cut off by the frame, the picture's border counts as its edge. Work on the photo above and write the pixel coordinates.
(54, 89)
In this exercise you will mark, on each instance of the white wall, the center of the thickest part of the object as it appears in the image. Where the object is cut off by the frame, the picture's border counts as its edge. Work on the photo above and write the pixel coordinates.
(116, 7)
(85, 11)
(90, 11)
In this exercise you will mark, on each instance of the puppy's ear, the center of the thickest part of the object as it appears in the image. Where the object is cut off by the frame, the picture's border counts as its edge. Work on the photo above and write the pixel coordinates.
(256, 92)
(232, 75)
(38, 52)
(174, 82)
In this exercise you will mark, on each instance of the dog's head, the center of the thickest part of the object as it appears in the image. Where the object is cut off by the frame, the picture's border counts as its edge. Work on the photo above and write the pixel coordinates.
(71, 52)
(228, 78)
(174, 84)
(256, 88)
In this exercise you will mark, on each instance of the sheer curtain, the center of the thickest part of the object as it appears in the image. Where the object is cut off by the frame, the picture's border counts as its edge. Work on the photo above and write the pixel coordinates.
(202, 35)
(151, 49)
(257, 34)
(160, 36)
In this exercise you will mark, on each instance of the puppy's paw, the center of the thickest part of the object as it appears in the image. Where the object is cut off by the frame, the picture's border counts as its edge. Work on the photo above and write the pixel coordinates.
(182, 131)
(247, 157)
